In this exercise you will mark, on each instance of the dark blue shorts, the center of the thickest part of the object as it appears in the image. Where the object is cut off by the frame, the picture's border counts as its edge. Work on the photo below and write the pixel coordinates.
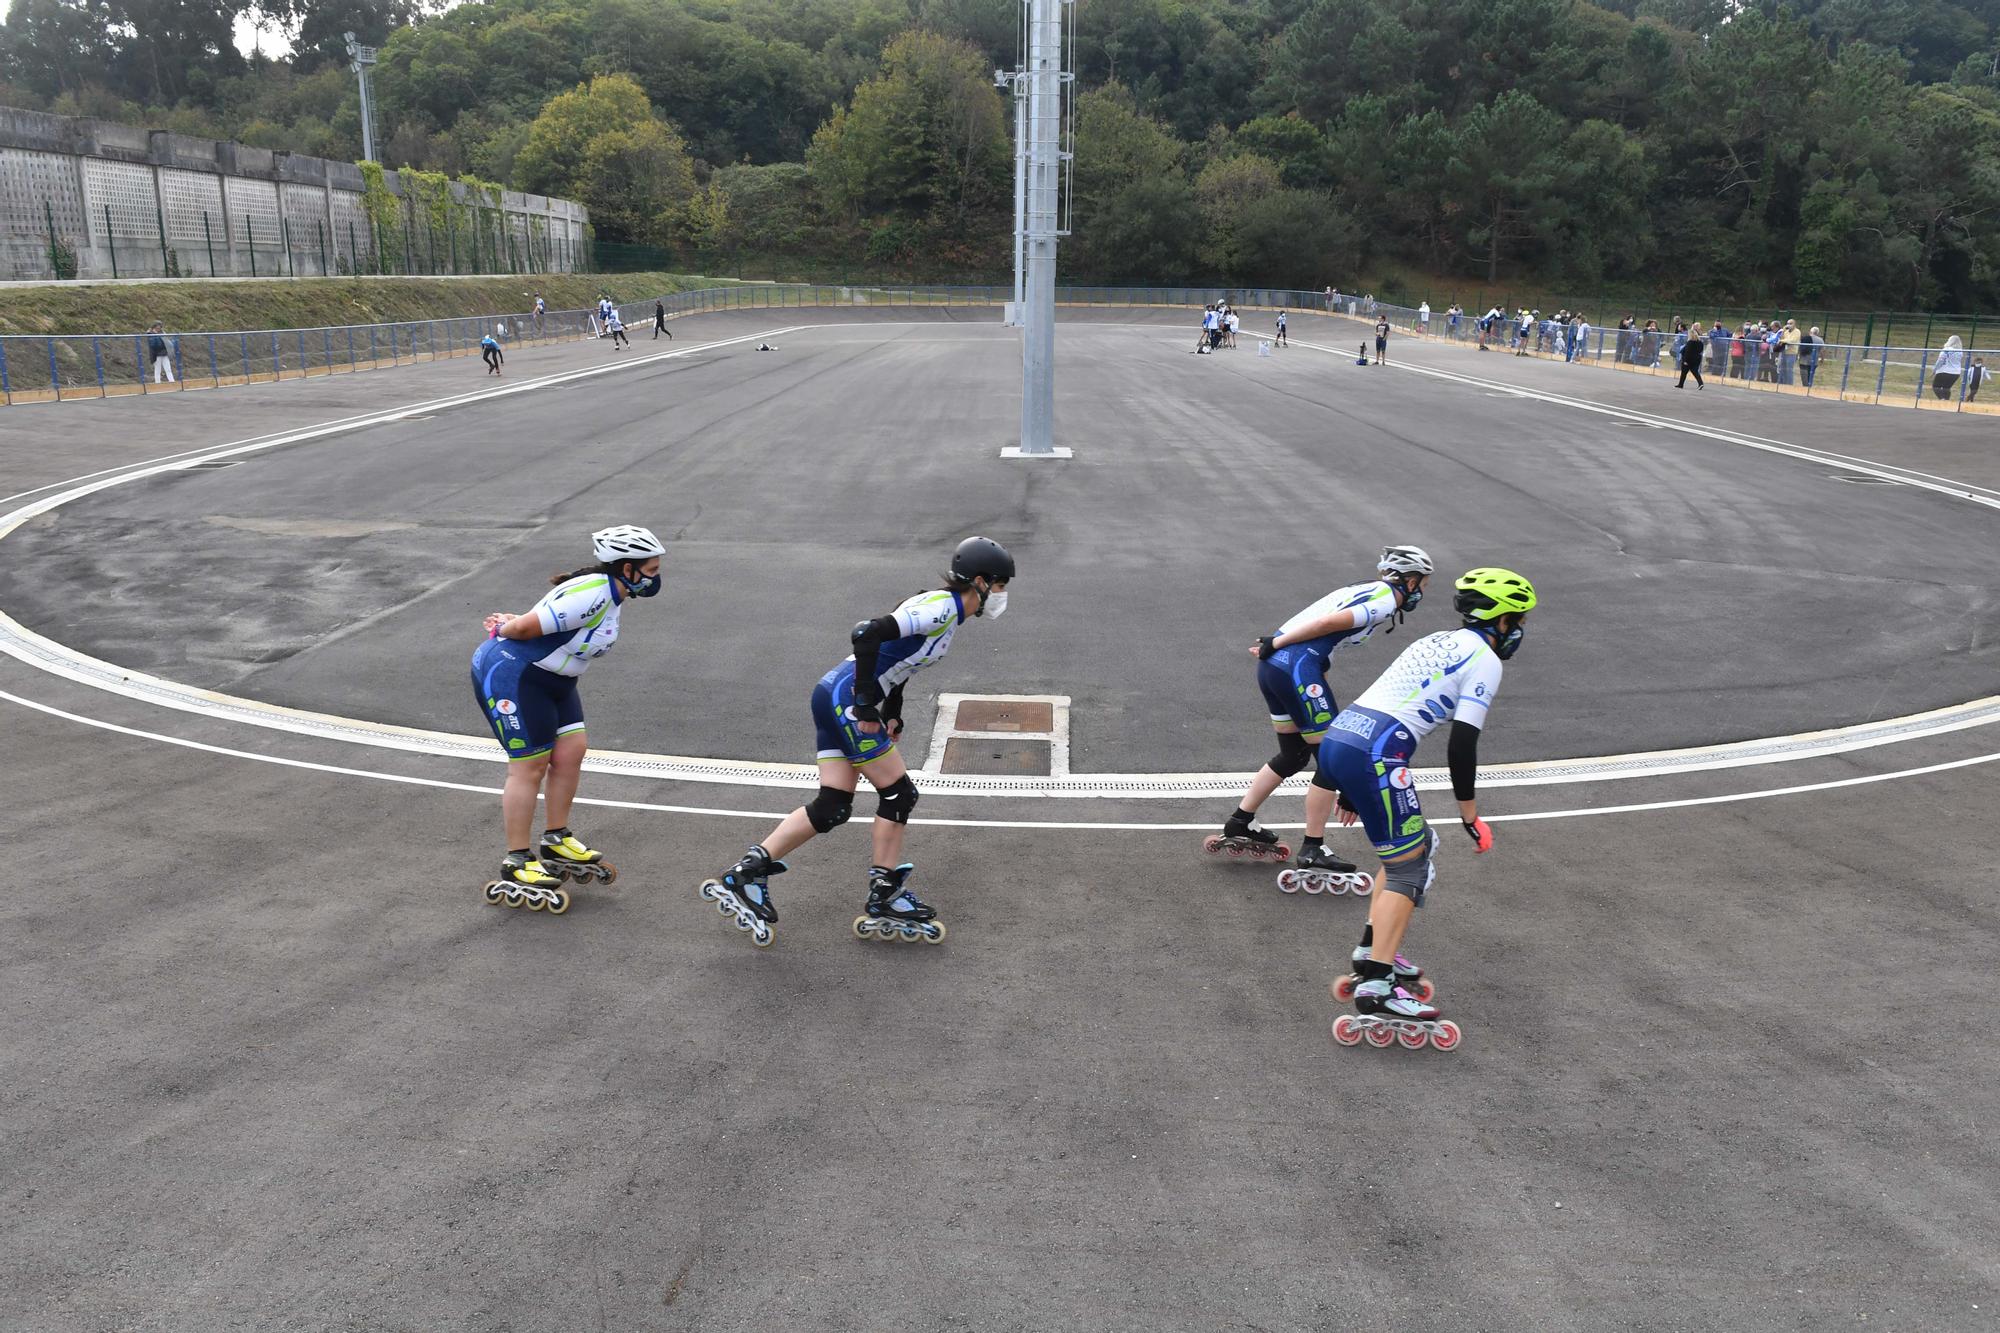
(1372, 771)
(1295, 690)
(839, 736)
(526, 706)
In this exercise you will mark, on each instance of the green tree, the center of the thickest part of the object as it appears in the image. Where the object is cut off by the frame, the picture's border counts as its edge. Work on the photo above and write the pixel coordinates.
(1504, 165)
(601, 145)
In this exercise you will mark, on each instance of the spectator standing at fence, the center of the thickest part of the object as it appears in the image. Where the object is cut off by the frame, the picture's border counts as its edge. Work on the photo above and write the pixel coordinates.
(1774, 346)
(1333, 300)
(1451, 317)
(1583, 332)
(1809, 347)
(541, 313)
(160, 353)
(660, 321)
(1753, 351)
(1649, 345)
(1950, 365)
(1788, 352)
(1523, 323)
(1424, 318)
(1718, 351)
(1974, 377)
(1680, 338)
(1382, 340)
(1622, 353)
(1689, 356)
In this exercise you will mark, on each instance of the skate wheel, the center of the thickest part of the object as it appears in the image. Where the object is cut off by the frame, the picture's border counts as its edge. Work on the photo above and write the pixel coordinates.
(1288, 881)
(1342, 987)
(744, 922)
(558, 902)
(513, 897)
(1365, 887)
(1281, 852)
(934, 932)
(863, 928)
(1314, 884)
(1446, 1036)
(707, 890)
(1413, 1041)
(1381, 1037)
(606, 872)
(495, 893)
(1212, 843)
(762, 935)
(1346, 1031)
(535, 900)
(1423, 990)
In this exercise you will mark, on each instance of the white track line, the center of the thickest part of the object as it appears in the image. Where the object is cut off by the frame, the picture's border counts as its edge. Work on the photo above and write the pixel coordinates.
(1070, 825)
(58, 659)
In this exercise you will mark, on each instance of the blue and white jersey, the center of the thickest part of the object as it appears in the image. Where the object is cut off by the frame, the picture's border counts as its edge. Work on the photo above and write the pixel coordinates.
(1376, 601)
(579, 622)
(1451, 675)
(926, 623)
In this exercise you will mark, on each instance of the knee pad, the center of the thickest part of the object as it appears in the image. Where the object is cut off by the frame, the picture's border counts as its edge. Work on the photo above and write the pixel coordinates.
(830, 809)
(1294, 753)
(895, 801)
(1410, 878)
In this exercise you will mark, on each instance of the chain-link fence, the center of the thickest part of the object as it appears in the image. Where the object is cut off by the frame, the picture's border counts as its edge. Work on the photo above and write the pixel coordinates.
(43, 369)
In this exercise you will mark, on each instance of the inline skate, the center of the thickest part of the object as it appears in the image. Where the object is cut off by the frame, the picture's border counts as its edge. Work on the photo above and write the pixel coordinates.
(744, 892)
(895, 913)
(563, 853)
(1319, 871)
(1387, 1014)
(527, 883)
(1405, 974)
(1239, 838)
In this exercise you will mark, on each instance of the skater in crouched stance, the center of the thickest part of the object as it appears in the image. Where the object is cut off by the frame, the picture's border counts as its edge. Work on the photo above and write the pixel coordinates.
(1364, 765)
(1291, 672)
(525, 679)
(857, 711)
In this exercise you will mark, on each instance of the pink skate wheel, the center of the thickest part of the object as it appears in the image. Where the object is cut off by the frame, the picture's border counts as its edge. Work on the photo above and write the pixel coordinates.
(1212, 843)
(1412, 1041)
(1381, 1038)
(1447, 1035)
(1365, 887)
(1288, 881)
(1346, 1031)
(1282, 852)
(1423, 990)
(1342, 988)
(1234, 849)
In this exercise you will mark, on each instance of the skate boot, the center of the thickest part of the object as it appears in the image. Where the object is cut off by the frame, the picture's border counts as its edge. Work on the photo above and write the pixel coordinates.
(1239, 838)
(744, 892)
(895, 913)
(1405, 974)
(527, 883)
(1387, 1014)
(1319, 871)
(563, 853)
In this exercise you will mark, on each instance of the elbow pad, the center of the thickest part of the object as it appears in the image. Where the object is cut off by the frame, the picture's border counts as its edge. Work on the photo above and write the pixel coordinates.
(867, 639)
(1463, 758)
(873, 632)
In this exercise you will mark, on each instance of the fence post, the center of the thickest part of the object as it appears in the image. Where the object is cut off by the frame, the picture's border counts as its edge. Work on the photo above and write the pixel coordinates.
(373, 355)
(243, 349)
(111, 240)
(277, 357)
(6, 389)
(55, 376)
(305, 357)
(208, 239)
(214, 376)
(350, 344)
(160, 221)
(180, 364)
(392, 346)
(1923, 368)
(97, 351)
(326, 348)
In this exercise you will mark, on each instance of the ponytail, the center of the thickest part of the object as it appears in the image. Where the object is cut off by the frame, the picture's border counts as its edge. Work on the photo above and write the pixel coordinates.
(557, 580)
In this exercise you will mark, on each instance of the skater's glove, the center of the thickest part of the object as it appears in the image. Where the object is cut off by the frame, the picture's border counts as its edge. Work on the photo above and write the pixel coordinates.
(1266, 645)
(1481, 834)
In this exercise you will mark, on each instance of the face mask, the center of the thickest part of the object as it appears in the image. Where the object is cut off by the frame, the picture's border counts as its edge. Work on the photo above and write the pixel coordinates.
(1411, 596)
(1509, 643)
(647, 585)
(995, 605)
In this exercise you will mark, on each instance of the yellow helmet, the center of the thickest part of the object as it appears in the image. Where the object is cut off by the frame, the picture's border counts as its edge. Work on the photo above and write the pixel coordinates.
(1489, 593)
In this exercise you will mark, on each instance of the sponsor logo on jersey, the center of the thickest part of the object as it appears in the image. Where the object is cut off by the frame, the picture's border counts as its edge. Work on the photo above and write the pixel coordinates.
(504, 707)
(517, 744)
(1400, 777)
(1315, 690)
(1413, 825)
(1358, 723)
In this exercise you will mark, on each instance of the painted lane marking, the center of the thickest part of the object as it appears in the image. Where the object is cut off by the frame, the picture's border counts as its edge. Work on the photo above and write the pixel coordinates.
(58, 659)
(1108, 826)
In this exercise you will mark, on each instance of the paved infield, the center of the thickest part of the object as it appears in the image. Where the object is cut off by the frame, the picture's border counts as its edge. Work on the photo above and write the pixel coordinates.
(270, 1063)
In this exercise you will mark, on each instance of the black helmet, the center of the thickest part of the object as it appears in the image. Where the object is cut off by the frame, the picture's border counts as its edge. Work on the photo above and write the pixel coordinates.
(978, 557)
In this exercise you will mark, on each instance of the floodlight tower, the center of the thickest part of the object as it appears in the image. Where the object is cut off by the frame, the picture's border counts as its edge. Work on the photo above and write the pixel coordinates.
(362, 59)
(1044, 99)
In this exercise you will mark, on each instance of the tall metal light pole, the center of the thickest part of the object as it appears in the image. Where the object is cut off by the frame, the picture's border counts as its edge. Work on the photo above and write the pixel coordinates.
(362, 59)
(1042, 168)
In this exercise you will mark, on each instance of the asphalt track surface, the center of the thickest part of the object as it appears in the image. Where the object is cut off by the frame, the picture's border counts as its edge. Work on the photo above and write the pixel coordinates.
(269, 1062)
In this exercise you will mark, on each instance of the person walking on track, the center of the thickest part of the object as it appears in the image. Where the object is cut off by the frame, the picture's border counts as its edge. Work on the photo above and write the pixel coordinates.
(857, 710)
(524, 678)
(660, 321)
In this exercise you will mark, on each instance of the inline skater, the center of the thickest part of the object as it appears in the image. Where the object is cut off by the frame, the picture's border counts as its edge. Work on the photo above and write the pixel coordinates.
(489, 351)
(525, 680)
(1291, 672)
(1364, 766)
(1281, 330)
(857, 710)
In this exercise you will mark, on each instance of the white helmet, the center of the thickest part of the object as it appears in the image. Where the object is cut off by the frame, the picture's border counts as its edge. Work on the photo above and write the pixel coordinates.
(625, 542)
(1404, 560)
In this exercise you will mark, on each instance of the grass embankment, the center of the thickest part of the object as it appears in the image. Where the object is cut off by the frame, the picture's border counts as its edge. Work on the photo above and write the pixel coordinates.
(311, 303)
